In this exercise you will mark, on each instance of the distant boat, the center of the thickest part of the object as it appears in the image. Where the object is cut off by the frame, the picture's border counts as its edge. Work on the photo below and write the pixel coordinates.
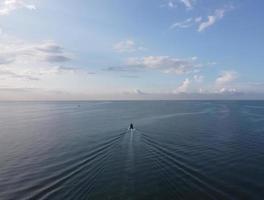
(131, 127)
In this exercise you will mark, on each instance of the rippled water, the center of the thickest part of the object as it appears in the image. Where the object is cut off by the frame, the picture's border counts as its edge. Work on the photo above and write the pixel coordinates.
(179, 150)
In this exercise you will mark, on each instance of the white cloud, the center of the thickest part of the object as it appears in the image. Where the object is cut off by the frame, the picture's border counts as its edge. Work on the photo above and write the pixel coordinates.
(172, 4)
(183, 88)
(25, 60)
(7, 6)
(127, 46)
(184, 24)
(212, 19)
(12, 74)
(202, 23)
(198, 78)
(188, 3)
(15, 50)
(30, 7)
(187, 23)
(225, 78)
(187, 87)
(228, 90)
(201, 90)
(49, 47)
(198, 19)
(194, 58)
(164, 64)
(140, 92)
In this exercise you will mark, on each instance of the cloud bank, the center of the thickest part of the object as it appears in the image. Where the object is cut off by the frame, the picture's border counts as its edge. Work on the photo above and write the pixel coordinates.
(165, 64)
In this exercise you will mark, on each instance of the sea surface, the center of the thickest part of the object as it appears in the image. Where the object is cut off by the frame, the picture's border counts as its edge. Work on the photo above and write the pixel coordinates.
(178, 150)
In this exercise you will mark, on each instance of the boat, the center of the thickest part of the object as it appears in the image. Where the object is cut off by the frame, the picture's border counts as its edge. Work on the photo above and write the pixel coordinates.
(131, 127)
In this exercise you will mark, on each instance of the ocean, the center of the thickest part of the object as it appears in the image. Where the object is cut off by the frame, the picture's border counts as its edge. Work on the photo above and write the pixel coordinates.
(178, 150)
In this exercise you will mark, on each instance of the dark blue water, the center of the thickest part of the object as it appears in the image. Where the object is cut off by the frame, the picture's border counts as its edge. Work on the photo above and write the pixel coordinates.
(179, 150)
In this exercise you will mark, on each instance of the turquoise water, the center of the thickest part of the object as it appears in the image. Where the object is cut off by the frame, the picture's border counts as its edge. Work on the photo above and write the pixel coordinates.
(178, 150)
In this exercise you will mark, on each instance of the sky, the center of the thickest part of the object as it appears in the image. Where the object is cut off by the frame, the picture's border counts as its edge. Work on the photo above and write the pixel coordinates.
(137, 49)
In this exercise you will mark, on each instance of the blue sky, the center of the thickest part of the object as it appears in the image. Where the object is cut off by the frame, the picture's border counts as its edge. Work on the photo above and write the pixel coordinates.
(115, 49)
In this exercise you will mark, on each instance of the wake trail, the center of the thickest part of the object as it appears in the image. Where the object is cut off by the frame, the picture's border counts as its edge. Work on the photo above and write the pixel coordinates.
(129, 187)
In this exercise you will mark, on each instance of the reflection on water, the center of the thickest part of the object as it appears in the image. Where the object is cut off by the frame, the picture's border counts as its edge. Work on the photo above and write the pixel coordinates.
(179, 150)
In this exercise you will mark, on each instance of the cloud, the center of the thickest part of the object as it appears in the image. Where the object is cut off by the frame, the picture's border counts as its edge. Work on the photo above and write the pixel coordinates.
(183, 87)
(226, 77)
(127, 46)
(187, 23)
(202, 23)
(7, 6)
(140, 92)
(130, 76)
(172, 4)
(136, 92)
(188, 3)
(26, 60)
(4, 60)
(57, 58)
(184, 24)
(198, 78)
(123, 68)
(34, 93)
(164, 64)
(30, 7)
(15, 50)
(212, 19)
(198, 19)
(63, 69)
(228, 91)
(11, 74)
(50, 47)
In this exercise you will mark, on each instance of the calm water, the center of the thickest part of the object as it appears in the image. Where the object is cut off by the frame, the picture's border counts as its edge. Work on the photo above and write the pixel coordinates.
(179, 150)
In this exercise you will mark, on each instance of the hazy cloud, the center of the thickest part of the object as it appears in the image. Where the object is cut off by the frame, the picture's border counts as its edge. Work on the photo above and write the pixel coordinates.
(50, 47)
(34, 93)
(187, 23)
(183, 24)
(212, 19)
(123, 68)
(188, 3)
(63, 69)
(164, 64)
(127, 46)
(7, 6)
(228, 91)
(184, 86)
(5, 60)
(198, 78)
(130, 76)
(26, 60)
(171, 4)
(226, 77)
(14, 50)
(140, 92)
(11, 74)
(57, 58)
(202, 22)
